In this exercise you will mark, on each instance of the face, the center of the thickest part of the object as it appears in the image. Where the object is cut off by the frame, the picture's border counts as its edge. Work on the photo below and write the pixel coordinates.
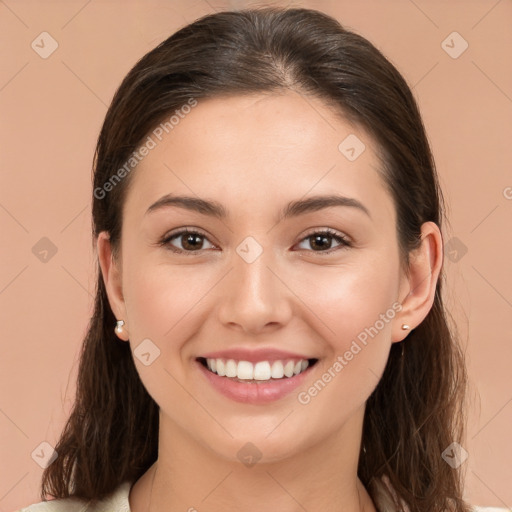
(308, 283)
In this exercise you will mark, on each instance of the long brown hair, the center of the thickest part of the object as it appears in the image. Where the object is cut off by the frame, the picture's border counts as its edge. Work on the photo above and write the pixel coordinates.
(417, 410)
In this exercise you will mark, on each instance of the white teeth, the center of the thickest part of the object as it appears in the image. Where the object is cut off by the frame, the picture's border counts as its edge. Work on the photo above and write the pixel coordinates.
(244, 370)
(262, 370)
(278, 370)
(231, 368)
(220, 367)
(288, 369)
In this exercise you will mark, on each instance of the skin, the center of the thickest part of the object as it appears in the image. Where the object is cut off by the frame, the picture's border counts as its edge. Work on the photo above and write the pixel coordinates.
(254, 154)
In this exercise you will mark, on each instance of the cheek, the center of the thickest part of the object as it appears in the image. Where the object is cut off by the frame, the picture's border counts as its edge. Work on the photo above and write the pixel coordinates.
(162, 304)
(353, 308)
(339, 301)
(160, 296)
(349, 298)
(337, 308)
(355, 315)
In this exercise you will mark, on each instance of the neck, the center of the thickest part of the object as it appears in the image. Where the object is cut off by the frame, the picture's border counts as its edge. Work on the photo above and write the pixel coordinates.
(189, 476)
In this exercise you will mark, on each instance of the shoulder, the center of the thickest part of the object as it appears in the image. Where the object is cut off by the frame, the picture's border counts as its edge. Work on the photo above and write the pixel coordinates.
(115, 502)
(389, 502)
(489, 509)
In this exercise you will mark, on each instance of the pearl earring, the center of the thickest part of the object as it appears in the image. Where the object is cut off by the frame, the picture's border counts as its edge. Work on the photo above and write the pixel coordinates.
(119, 326)
(405, 327)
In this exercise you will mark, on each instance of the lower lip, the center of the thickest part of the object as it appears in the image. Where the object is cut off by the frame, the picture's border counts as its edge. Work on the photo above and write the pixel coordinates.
(262, 392)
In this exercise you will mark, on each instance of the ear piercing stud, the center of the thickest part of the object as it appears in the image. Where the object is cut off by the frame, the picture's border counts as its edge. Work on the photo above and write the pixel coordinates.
(120, 323)
(119, 326)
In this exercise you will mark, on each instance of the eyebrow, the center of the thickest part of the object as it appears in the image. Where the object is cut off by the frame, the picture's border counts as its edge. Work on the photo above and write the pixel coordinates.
(292, 209)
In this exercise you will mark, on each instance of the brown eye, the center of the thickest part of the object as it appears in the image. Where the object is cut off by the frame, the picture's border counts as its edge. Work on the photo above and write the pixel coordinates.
(189, 240)
(321, 241)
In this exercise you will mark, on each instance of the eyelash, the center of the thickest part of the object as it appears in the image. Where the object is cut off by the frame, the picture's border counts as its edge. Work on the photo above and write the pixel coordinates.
(344, 241)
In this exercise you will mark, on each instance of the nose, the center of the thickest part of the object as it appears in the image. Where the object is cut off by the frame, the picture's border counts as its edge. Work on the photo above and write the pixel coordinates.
(255, 297)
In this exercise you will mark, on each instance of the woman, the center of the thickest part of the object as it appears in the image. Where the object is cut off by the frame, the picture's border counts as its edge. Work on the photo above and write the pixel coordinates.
(268, 332)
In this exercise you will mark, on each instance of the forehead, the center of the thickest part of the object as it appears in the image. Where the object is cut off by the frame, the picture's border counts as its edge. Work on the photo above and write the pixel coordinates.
(257, 149)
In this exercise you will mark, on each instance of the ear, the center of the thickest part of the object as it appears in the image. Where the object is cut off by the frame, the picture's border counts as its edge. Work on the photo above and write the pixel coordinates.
(418, 289)
(111, 273)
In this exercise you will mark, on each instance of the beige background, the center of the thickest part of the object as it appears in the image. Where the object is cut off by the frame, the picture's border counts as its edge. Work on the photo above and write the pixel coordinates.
(51, 112)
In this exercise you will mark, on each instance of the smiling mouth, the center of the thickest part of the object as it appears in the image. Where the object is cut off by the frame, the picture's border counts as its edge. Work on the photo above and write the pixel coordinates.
(311, 363)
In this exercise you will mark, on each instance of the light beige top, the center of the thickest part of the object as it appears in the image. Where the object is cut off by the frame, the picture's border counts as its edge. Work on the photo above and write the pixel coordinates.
(118, 502)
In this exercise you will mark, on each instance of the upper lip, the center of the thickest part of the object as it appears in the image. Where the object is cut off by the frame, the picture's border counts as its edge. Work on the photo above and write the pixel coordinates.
(254, 355)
